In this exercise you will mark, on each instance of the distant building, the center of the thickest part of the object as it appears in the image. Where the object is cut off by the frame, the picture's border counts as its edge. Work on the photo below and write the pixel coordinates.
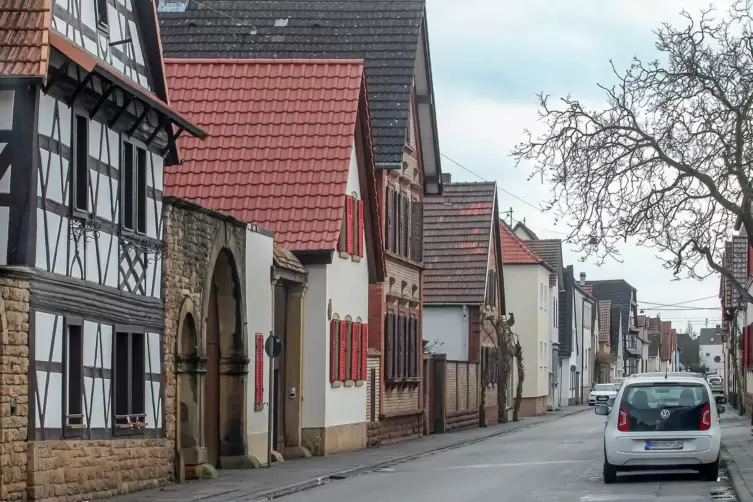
(711, 349)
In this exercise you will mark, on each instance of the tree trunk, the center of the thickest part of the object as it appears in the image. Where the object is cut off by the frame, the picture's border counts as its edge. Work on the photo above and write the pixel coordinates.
(521, 377)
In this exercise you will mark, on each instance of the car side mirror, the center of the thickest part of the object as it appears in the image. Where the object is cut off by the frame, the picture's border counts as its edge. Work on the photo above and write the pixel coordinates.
(721, 399)
(720, 408)
(601, 410)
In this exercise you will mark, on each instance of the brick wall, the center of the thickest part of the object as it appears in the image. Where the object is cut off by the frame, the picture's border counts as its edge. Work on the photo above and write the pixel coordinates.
(401, 398)
(373, 363)
(14, 385)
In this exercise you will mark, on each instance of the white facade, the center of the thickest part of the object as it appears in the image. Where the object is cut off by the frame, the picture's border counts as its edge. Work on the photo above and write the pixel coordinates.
(342, 286)
(448, 327)
(584, 332)
(712, 355)
(259, 315)
(527, 296)
(554, 339)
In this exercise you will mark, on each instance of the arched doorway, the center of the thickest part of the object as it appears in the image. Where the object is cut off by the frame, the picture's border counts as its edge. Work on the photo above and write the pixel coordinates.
(188, 385)
(227, 364)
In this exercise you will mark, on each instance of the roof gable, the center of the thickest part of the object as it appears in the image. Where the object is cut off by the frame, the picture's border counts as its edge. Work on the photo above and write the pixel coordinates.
(524, 232)
(281, 134)
(387, 35)
(515, 252)
(457, 236)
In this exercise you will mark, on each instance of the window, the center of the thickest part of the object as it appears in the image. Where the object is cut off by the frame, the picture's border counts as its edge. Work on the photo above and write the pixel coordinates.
(80, 185)
(130, 380)
(491, 288)
(556, 312)
(74, 376)
(404, 225)
(351, 230)
(402, 342)
(643, 403)
(348, 350)
(102, 14)
(134, 179)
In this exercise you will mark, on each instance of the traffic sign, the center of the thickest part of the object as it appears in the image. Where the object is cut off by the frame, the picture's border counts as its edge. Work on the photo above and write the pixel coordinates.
(273, 346)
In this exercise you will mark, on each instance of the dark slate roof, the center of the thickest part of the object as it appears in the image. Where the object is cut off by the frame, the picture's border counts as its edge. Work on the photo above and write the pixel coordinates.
(457, 234)
(550, 250)
(710, 336)
(385, 33)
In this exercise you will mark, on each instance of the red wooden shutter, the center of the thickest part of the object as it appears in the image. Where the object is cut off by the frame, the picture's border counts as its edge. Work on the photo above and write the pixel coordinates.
(409, 347)
(355, 343)
(343, 348)
(388, 346)
(360, 228)
(333, 353)
(259, 369)
(364, 351)
(349, 224)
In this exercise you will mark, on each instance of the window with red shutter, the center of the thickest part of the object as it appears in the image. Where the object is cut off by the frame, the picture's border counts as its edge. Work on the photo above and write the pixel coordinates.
(259, 369)
(406, 226)
(343, 346)
(355, 346)
(349, 207)
(364, 351)
(334, 372)
(359, 230)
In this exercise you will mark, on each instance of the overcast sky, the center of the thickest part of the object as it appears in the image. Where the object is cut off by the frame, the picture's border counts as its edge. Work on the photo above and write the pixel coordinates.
(490, 57)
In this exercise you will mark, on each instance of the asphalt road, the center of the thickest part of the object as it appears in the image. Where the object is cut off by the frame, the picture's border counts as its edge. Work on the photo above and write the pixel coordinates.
(559, 461)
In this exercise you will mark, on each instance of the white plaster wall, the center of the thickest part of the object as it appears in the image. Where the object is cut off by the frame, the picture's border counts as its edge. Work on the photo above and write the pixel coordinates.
(448, 325)
(315, 348)
(712, 351)
(543, 335)
(348, 289)
(563, 391)
(531, 323)
(259, 313)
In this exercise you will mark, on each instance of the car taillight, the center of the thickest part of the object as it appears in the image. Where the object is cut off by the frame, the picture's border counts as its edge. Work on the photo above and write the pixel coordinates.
(623, 421)
(705, 417)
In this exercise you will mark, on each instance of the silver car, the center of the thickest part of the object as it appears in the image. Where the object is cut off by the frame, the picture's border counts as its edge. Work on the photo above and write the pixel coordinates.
(601, 393)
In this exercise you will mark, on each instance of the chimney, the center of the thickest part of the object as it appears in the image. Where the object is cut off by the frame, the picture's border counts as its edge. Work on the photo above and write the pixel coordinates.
(446, 178)
(582, 278)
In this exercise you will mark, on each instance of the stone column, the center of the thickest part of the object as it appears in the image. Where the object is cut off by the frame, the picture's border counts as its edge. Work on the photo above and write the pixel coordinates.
(294, 371)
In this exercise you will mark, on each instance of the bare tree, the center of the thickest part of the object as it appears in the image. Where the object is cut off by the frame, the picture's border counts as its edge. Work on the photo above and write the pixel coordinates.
(667, 161)
(508, 349)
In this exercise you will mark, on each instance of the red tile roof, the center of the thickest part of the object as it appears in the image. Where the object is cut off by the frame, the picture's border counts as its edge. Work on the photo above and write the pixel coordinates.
(457, 233)
(281, 133)
(605, 320)
(514, 252)
(24, 37)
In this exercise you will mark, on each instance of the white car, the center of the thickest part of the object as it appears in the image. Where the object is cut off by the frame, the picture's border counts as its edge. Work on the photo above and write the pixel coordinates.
(601, 393)
(662, 422)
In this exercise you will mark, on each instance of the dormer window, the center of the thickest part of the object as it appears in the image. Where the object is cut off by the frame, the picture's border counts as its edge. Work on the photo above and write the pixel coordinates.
(103, 17)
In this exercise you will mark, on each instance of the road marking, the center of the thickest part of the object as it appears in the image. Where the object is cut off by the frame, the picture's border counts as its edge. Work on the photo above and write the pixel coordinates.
(516, 464)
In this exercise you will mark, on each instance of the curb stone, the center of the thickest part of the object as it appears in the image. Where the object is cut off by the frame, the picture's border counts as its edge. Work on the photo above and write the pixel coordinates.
(738, 483)
(308, 484)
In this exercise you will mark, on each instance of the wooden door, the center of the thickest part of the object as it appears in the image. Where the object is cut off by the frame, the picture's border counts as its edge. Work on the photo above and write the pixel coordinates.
(212, 382)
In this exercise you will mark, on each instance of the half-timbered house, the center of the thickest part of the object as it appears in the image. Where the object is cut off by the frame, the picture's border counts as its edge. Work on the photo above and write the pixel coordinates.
(393, 39)
(85, 130)
(290, 150)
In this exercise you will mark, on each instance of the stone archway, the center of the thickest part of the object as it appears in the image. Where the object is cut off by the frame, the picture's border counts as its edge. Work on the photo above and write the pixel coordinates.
(226, 365)
(190, 368)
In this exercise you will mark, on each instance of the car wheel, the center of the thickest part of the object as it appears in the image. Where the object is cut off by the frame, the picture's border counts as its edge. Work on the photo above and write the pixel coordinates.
(710, 472)
(610, 473)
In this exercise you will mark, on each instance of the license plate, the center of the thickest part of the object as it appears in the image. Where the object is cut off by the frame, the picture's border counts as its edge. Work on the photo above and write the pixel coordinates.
(663, 445)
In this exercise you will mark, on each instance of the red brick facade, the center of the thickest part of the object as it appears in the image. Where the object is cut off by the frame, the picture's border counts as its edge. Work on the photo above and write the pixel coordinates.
(400, 402)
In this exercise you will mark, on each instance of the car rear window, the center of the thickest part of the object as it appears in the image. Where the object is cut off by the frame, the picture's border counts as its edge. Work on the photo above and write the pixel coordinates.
(664, 406)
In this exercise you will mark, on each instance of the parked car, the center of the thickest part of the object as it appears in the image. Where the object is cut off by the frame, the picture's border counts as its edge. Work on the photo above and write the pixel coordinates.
(716, 384)
(662, 422)
(601, 393)
(617, 382)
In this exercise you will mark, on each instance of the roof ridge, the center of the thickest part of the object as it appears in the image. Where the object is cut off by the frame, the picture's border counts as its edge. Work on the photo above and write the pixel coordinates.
(308, 61)
(520, 243)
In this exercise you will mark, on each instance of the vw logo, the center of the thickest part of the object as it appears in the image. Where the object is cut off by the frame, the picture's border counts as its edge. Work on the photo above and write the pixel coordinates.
(664, 414)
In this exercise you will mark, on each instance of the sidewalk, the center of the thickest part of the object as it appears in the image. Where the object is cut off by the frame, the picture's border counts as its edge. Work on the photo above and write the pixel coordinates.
(300, 474)
(737, 451)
